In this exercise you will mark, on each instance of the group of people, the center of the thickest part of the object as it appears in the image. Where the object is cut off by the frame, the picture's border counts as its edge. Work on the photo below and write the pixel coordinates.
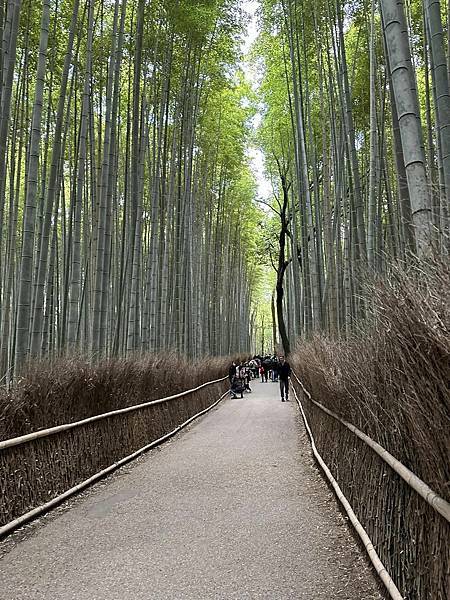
(268, 367)
(240, 376)
(273, 368)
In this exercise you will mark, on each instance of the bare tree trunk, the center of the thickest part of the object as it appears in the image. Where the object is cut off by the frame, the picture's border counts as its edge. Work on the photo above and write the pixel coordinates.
(274, 322)
(283, 263)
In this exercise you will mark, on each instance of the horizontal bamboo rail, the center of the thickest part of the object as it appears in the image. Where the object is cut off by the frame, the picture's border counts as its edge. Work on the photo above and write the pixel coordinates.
(372, 553)
(52, 430)
(435, 501)
(35, 512)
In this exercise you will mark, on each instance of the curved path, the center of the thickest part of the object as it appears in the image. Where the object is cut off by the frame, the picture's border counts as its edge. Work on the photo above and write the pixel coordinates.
(232, 508)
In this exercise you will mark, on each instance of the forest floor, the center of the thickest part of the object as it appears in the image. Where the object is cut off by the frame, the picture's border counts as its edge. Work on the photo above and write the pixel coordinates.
(232, 508)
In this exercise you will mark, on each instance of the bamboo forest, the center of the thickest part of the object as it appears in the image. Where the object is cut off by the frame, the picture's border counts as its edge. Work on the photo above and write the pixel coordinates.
(130, 218)
(200, 199)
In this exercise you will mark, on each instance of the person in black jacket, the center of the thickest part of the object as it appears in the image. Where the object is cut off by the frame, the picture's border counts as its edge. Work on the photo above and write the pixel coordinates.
(284, 372)
(231, 377)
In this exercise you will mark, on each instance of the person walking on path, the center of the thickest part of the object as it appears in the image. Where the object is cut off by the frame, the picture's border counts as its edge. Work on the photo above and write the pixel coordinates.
(266, 365)
(232, 371)
(284, 372)
(261, 372)
(231, 377)
(274, 371)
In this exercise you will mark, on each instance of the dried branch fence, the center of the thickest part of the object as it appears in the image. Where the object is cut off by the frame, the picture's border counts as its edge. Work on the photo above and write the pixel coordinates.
(39, 467)
(406, 521)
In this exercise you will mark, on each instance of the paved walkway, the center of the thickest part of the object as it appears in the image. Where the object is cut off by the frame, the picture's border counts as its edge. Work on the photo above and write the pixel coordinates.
(232, 508)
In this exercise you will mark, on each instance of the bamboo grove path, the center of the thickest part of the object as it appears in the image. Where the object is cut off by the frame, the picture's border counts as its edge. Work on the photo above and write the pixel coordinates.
(232, 508)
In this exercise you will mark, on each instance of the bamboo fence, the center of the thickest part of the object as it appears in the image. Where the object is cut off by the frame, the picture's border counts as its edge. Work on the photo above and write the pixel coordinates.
(42, 468)
(407, 523)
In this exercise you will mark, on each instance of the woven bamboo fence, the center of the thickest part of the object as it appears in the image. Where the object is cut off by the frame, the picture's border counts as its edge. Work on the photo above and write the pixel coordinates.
(410, 531)
(39, 467)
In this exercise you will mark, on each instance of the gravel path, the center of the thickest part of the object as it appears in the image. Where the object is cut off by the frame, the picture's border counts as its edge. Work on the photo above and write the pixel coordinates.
(233, 508)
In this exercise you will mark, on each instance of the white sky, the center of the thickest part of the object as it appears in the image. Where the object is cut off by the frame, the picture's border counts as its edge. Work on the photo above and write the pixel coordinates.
(255, 154)
(250, 7)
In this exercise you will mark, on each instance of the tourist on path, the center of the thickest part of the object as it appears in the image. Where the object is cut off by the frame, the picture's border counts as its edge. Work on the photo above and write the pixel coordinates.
(266, 365)
(274, 369)
(261, 372)
(237, 387)
(232, 377)
(232, 371)
(284, 372)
